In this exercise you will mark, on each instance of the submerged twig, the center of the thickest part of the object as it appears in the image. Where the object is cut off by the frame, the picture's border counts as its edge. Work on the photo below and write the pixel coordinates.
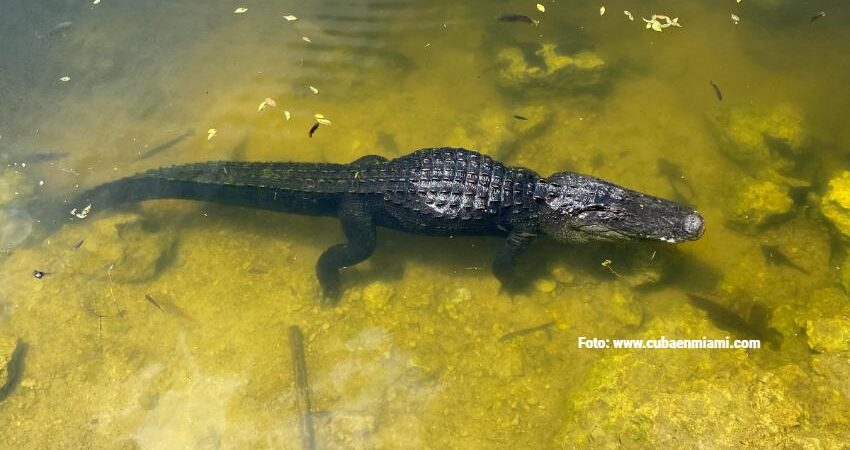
(716, 90)
(302, 389)
(524, 331)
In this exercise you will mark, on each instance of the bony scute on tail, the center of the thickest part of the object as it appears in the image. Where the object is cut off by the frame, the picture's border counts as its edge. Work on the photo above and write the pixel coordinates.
(435, 191)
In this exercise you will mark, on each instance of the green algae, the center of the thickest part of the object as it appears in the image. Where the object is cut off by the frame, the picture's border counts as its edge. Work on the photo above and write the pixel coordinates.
(760, 202)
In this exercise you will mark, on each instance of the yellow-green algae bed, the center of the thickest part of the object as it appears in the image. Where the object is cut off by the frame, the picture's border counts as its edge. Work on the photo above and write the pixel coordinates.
(167, 327)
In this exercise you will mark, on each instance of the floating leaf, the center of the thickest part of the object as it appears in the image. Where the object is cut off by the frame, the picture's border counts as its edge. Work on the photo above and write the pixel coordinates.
(211, 133)
(290, 18)
(629, 15)
(240, 10)
(541, 8)
(82, 214)
(95, 2)
(266, 102)
(65, 78)
(735, 19)
(322, 120)
(287, 115)
(315, 91)
(305, 39)
(601, 10)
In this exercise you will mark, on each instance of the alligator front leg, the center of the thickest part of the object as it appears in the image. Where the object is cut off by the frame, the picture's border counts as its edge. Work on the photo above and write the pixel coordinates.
(359, 229)
(503, 264)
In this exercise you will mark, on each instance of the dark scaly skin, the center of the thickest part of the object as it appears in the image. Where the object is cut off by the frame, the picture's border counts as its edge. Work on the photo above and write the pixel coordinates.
(437, 191)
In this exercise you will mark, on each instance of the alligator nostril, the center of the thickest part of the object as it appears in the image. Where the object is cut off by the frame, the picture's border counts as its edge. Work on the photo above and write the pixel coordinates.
(694, 225)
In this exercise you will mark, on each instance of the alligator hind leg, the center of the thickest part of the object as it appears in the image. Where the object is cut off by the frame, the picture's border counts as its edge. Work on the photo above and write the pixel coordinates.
(359, 230)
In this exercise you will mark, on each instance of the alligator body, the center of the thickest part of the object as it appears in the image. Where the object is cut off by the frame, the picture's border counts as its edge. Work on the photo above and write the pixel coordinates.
(437, 191)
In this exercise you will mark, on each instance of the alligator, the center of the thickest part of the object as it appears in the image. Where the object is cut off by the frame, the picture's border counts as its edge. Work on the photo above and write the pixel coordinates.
(434, 191)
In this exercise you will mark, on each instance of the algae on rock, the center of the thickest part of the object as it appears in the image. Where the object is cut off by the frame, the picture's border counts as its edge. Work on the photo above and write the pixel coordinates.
(761, 138)
(829, 334)
(760, 202)
(582, 69)
(835, 204)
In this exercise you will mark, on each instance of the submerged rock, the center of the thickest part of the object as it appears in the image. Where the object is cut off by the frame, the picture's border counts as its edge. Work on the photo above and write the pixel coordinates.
(829, 335)
(683, 398)
(760, 202)
(835, 204)
(547, 65)
(761, 138)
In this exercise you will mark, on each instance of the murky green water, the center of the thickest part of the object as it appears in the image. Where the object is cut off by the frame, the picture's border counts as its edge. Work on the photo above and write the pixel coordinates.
(168, 326)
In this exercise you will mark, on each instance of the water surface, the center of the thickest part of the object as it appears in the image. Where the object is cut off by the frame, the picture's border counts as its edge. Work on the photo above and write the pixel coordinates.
(412, 356)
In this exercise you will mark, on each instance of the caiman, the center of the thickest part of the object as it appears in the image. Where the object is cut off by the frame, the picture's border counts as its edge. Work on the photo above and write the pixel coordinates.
(435, 191)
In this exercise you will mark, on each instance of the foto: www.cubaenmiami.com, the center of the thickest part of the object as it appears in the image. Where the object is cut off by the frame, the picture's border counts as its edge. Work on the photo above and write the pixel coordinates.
(665, 343)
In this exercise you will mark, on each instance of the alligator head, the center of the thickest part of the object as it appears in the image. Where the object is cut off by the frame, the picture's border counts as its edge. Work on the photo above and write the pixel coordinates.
(582, 208)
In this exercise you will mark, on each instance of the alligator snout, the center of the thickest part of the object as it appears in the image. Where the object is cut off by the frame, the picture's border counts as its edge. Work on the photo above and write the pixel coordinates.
(694, 225)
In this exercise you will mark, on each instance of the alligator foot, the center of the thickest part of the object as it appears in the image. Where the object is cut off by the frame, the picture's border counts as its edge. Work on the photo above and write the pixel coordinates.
(359, 229)
(505, 260)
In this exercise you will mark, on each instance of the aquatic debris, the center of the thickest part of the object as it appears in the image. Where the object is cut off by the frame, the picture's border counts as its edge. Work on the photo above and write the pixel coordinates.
(302, 389)
(716, 90)
(601, 10)
(305, 39)
(95, 2)
(266, 102)
(629, 15)
(322, 119)
(65, 79)
(287, 114)
(78, 244)
(774, 256)
(14, 368)
(818, 16)
(166, 145)
(517, 18)
(240, 10)
(313, 129)
(82, 214)
(211, 133)
(39, 274)
(541, 8)
(153, 302)
(290, 18)
(314, 90)
(607, 264)
(522, 332)
(519, 117)
(735, 19)
(655, 22)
